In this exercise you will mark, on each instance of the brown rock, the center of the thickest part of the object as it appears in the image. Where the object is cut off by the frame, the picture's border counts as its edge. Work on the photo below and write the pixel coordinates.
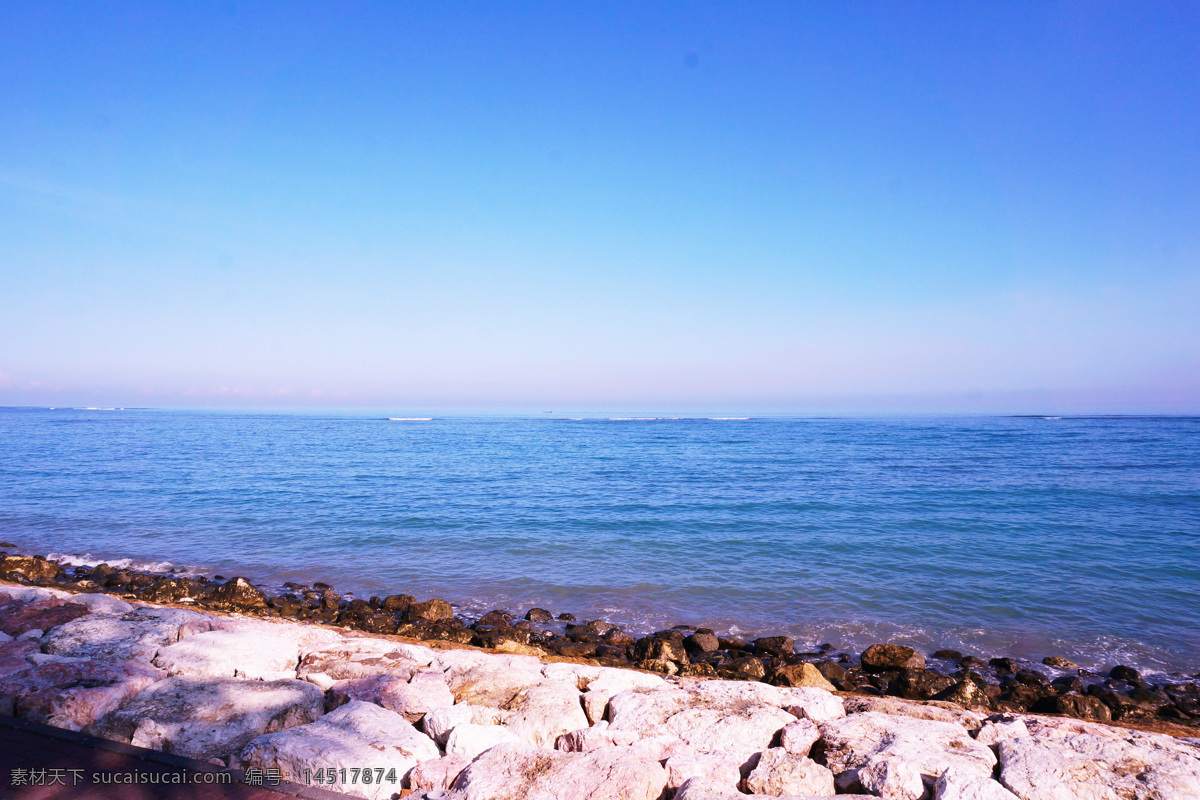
(538, 615)
(36, 569)
(801, 675)
(431, 610)
(656, 648)
(236, 595)
(881, 657)
(1060, 662)
(398, 603)
(774, 646)
(967, 694)
(701, 643)
(1082, 707)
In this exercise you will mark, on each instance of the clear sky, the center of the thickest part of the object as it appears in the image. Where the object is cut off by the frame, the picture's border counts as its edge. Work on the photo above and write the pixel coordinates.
(792, 206)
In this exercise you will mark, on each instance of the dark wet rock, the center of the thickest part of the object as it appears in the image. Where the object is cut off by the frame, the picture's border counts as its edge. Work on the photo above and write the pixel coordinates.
(497, 617)
(42, 615)
(1067, 684)
(921, 684)
(589, 631)
(661, 648)
(1123, 673)
(774, 646)
(330, 600)
(571, 649)
(744, 667)
(566, 617)
(538, 615)
(430, 610)
(701, 643)
(167, 590)
(1031, 677)
(1022, 695)
(949, 655)
(697, 670)
(618, 638)
(294, 587)
(612, 653)
(1004, 664)
(398, 603)
(236, 595)
(971, 662)
(495, 637)
(1080, 707)
(880, 657)
(833, 671)
(321, 586)
(35, 569)
(1059, 662)
(17, 577)
(966, 693)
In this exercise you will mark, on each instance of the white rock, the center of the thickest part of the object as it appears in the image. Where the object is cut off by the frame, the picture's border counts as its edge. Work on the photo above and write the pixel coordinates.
(4, 637)
(350, 658)
(320, 680)
(799, 737)
(99, 603)
(413, 698)
(996, 731)
(432, 776)
(595, 704)
(936, 710)
(356, 736)
(701, 789)
(31, 635)
(661, 748)
(810, 703)
(231, 653)
(1041, 727)
(713, 767)
(532, 773)
(545, 711)
(494, 682)
(134, 636)
(470, 740)
(207, 718)
(71, 693)
(956, 785)
(438, 723)
(930, 747)
(892, 779)
(780, 773)
(585, 739)
(1086, 766)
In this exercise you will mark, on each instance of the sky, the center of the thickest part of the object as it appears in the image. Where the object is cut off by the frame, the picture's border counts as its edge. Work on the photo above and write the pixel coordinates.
(788, 206)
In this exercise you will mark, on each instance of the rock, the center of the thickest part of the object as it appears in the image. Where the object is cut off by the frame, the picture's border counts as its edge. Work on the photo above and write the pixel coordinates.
(538, 615)
(1000, 728)
(595, 704)
(949, 655)
(494, 681)
(166, 590)
(957, 785)
(936, 710)
(412, 699)
(1128, 674)
(779, 772)
(207, 718)
(439, 722)
(1060, 662)
(653, 648)
(14, 657)
(530, 773)
(430, 776)
(660, 665)
(36, 569)
(356, 736)
(892, 779)
(102, 603)
(1082, 707)
(398, 603)
(747, 666)
(585, 739)
(73, 693)
(496, 617)
(966, 693)
(17, 618)
(134, 636)
(545, 711)
(855, 741)
(236, 595)
(921, 684)
(833, 671)
(701, 643)
(247, 653)
(361, 658)
(431, 610)
(469, 740)
(1128, 764)
(701, 789)
(780, 646)
(799, 737)
(1008, 665)
(804, 674)
(712, 767)
(880, 657)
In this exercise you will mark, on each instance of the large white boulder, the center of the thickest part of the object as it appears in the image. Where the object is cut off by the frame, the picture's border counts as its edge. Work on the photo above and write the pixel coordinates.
(585, 739)
(492, 682)
(232, 653)
(956, 785)
(72, 693)
(714, 767)
(702, 789)
(350, 658)
(928, 746)
(936, 710)
(1127, 766)
(412, 698)
(209, 717)
(358, 736)
(779, 773)
(799, 737)
(134, 636)
(436, 775)
(469, 740)
(543, 712)
(534, 773)
(439, 722)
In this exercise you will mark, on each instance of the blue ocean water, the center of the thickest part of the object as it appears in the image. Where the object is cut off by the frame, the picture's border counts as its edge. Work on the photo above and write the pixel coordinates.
(1077, 537)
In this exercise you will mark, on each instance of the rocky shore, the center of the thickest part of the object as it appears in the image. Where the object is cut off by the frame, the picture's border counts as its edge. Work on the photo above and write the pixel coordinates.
(413, 700)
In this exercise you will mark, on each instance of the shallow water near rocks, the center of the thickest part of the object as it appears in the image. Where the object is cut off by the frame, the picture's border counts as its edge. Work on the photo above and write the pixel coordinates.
(1028, 537)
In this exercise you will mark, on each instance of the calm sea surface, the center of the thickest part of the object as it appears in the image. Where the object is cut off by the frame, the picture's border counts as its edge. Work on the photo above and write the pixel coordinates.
(993, 535)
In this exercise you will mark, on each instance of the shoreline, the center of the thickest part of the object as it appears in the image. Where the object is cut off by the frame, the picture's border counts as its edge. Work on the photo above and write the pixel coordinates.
(886, 669)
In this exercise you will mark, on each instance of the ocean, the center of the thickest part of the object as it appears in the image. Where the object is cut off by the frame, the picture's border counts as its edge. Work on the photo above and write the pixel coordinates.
(1015, 536)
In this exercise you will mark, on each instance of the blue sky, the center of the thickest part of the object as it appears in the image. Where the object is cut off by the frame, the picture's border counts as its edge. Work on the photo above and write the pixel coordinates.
(858, 206)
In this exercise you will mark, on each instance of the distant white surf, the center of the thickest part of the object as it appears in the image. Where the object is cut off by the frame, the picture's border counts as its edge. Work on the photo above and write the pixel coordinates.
(410, 419)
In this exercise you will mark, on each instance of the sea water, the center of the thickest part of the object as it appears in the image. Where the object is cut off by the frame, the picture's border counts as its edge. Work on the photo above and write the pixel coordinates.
(1017, 536)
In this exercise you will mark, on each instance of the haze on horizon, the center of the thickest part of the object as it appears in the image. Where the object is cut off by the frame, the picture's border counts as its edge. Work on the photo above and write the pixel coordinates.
(900, 206)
